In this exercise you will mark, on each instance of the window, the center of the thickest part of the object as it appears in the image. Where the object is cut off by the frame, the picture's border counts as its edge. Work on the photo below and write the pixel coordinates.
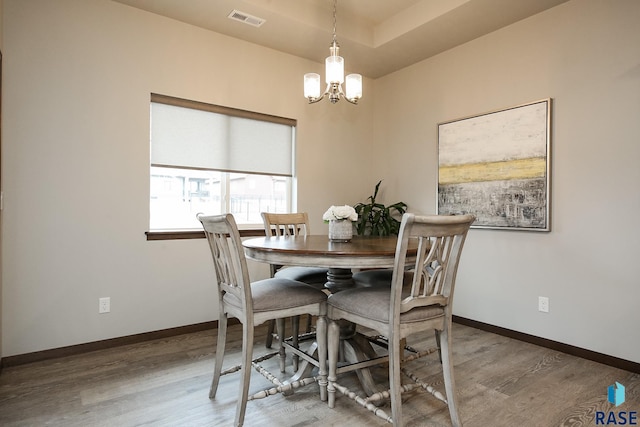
(212, 159)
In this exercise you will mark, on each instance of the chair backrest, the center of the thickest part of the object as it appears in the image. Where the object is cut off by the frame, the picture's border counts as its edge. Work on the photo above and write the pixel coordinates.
(440, 241)
(229, 260)
(287, 224)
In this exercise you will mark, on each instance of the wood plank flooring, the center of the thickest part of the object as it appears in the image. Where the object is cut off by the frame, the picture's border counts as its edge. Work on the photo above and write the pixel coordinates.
(500, 382)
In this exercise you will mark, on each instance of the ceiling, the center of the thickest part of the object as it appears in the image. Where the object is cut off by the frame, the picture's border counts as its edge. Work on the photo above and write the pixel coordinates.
(376, 37)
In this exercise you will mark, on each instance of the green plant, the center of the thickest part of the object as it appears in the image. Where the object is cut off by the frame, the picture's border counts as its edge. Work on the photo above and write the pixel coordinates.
(376, 219)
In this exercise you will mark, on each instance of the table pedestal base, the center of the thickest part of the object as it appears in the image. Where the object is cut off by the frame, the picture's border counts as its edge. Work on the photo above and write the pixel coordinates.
(339, 279)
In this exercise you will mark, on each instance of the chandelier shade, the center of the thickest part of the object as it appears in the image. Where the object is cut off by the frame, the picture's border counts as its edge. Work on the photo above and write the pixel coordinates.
(354, 86)
(311, 85)
(334, 66)
(334, 76)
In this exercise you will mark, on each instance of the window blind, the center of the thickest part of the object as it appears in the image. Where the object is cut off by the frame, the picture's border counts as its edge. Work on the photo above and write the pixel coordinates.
(189, 134)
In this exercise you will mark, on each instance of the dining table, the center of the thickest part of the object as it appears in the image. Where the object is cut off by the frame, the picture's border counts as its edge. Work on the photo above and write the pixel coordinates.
(341, 259)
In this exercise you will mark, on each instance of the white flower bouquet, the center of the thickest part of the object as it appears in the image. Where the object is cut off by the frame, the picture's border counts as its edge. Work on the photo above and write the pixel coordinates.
(336, 213)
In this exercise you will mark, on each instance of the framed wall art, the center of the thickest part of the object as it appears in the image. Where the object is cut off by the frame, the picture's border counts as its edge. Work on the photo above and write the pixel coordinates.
(496, 166)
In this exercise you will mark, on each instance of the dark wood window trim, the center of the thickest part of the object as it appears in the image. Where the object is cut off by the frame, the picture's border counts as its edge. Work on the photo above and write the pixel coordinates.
(219, 109)
(195, 234)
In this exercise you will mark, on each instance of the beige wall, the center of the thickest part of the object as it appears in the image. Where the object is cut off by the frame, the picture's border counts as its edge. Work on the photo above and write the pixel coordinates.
(585, 55)
(78, 75)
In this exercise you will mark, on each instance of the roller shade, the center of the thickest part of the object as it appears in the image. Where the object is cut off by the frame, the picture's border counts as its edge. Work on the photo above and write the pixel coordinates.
(194, 138)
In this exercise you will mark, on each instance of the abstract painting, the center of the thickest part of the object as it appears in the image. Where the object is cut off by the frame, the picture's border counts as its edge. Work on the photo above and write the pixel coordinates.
(496, 166)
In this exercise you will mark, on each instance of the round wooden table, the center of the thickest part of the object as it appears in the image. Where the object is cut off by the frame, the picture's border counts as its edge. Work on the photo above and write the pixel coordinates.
(319, 251)
(339, 258)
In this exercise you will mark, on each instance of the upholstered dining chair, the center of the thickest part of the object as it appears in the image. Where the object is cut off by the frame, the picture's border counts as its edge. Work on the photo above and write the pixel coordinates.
(403, 308)
(292, 224)
(254, 303)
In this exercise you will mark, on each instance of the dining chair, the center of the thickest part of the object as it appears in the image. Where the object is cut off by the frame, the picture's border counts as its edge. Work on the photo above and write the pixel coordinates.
(254, 303)
(397, 311)
(292, 224)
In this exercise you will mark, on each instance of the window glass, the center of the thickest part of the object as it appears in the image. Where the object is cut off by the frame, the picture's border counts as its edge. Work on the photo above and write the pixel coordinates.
(253, 194)
(177, 195)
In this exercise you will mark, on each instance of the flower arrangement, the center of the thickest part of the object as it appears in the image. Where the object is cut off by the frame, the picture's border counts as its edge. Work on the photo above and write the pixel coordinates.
(336, 213)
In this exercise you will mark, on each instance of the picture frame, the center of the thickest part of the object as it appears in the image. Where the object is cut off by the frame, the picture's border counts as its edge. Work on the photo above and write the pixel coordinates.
(497, 166)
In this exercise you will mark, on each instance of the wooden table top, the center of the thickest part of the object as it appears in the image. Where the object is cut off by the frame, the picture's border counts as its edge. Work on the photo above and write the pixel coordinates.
(317, 250)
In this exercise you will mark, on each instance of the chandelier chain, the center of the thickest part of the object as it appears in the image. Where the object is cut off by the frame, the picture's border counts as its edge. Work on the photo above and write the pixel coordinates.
(335, 19)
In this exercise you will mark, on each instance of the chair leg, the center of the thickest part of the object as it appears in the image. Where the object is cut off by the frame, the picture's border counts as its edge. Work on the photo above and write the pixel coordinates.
(271, 328)
(333, 345)
(395, 383)
(309, 323)
(295, 332)
(438, 345)
(268, 342)
(283, 355)
(220, 348)
(245, 372)
(321, 338)
(447, 373)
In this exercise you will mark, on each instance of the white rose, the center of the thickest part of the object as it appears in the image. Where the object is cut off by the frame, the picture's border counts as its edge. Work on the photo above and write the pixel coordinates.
(340, 212)
(328, 215)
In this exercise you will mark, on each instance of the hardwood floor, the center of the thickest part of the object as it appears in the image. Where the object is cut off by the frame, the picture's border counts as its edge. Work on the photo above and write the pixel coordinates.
(500, 382)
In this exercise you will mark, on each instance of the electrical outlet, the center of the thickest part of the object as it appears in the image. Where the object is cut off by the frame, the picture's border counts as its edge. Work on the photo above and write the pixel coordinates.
(543, 304)
(104, 305)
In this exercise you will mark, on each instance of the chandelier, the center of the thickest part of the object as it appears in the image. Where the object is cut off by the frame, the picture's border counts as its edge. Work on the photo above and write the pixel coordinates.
(334, 76)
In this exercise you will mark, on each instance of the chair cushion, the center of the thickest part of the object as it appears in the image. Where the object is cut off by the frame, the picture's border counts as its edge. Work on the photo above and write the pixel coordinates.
(373, 303)
(309, 275)
(279, 294)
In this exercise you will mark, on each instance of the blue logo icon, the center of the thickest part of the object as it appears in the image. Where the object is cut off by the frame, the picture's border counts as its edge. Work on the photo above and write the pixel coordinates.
(615, 394)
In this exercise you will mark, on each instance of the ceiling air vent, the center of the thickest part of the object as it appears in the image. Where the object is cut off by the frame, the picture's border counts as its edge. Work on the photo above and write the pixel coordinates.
(245, 18)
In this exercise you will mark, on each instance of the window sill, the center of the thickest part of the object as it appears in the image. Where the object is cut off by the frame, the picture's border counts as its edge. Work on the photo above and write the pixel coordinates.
(195, 234)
